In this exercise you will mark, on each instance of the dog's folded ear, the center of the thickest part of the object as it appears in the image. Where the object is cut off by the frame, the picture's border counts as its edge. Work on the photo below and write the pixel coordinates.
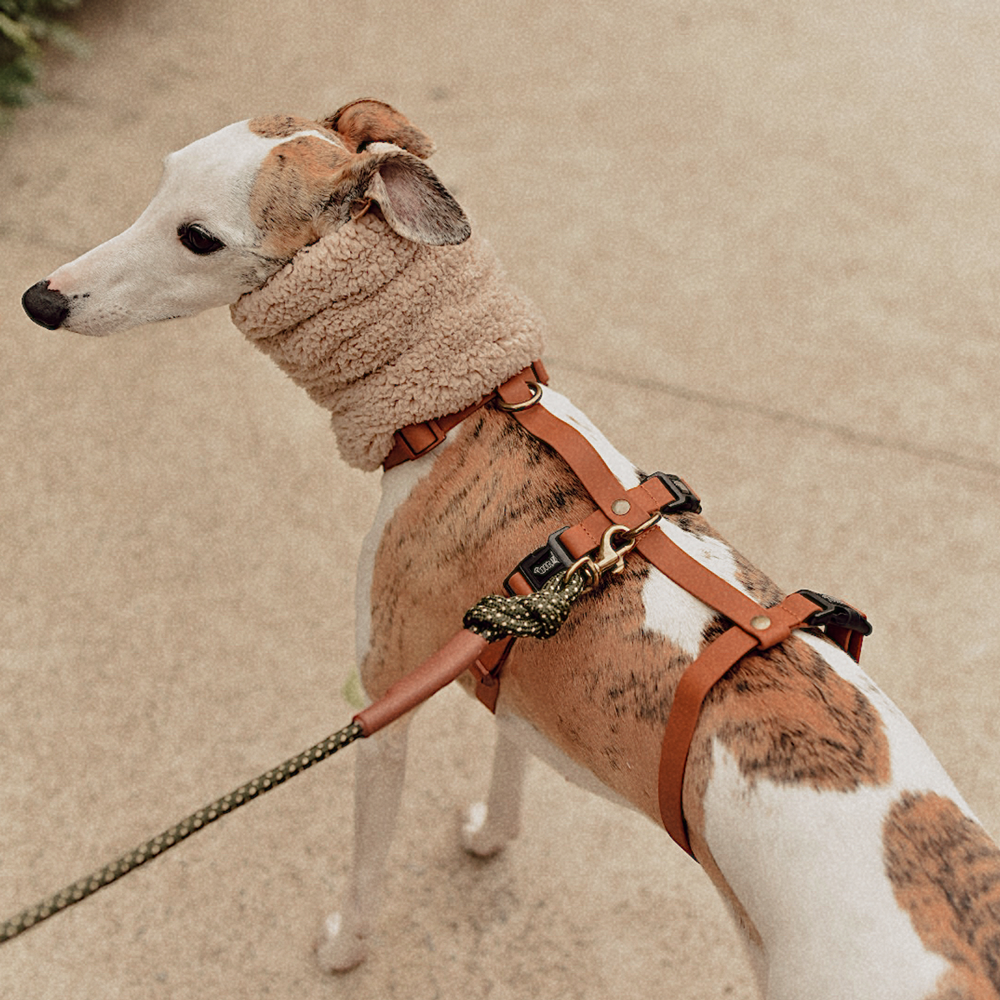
(365, 121)
(413, 202)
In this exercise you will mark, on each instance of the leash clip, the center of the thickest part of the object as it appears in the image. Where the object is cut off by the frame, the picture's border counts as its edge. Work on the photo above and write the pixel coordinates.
(608, 558)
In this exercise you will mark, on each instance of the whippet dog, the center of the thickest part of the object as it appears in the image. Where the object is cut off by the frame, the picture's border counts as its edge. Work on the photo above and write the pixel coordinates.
(849, 861)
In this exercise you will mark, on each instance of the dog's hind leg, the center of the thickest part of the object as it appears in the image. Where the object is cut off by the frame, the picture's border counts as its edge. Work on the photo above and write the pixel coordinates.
(490, 825)
(380, 770)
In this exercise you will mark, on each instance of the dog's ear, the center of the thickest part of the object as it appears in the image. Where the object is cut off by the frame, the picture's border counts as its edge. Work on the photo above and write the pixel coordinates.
(365, 121)
(413, 202)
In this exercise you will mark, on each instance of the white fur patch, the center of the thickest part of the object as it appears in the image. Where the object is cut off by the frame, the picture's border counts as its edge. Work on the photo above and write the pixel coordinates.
(144, 274)
(808, 866)
(397, 485)
(670, 610)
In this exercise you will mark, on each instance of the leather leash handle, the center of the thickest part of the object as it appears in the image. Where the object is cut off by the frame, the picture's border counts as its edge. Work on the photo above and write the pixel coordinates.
(442, 667)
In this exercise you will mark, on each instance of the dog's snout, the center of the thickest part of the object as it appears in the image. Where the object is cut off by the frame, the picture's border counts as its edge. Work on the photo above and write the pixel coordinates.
(45, 305)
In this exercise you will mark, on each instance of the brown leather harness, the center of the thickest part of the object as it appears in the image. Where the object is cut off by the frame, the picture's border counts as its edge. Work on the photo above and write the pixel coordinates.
(752, 626)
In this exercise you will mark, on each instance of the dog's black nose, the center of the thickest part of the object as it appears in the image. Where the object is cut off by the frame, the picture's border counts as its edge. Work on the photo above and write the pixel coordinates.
(45, 305)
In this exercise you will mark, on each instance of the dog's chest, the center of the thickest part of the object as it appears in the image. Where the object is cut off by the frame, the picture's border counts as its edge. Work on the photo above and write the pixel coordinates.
(493, 494)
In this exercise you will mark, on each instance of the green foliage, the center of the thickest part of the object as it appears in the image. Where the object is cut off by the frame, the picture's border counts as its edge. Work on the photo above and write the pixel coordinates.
(25, 27)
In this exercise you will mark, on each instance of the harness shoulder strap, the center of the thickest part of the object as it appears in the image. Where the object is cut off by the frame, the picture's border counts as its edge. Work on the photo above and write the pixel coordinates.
(619, 506)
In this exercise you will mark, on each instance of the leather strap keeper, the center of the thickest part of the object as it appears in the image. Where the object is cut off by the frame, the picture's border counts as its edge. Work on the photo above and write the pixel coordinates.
(486, 671)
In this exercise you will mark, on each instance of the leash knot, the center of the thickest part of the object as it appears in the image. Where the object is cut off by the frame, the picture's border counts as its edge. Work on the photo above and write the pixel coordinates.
(539, 615)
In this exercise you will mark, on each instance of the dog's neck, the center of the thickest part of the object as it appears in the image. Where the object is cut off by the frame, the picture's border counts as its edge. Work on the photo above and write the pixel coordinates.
(384, 332)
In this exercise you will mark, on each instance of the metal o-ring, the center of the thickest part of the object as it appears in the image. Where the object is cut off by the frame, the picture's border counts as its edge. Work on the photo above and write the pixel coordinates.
(536, 395)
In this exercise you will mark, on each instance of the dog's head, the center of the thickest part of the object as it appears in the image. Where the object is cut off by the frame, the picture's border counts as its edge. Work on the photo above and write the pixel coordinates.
(236, 206)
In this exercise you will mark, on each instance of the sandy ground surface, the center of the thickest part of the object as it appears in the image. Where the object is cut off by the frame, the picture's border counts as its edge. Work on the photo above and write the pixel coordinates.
(763, 232)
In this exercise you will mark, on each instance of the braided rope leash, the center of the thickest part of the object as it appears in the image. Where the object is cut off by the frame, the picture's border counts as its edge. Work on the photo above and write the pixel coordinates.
(540, 615)
(172, 836)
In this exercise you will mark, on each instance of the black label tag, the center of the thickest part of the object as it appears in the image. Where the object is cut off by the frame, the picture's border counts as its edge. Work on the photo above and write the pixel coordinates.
(544, 563)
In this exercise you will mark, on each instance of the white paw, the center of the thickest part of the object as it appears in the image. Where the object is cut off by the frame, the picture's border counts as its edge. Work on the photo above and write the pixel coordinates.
(337, 948)
(482, 837)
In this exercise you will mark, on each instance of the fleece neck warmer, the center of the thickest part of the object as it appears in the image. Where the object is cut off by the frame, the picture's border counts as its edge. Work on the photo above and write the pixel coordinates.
(384, 332)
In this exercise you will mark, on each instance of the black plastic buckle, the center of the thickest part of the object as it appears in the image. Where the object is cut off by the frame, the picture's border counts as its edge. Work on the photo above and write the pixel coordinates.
(685, 499)
(543, 564)
(834, 612)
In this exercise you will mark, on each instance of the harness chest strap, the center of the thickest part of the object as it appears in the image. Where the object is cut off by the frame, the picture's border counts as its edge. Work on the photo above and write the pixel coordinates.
(754, 626)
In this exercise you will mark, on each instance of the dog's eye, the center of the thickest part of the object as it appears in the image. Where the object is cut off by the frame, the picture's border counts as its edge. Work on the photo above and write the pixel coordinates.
(198, 240)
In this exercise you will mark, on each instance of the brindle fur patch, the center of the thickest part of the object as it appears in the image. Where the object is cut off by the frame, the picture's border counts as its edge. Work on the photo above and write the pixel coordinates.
(787, 716)
(294, 187)
(600, 689)
(945, 873)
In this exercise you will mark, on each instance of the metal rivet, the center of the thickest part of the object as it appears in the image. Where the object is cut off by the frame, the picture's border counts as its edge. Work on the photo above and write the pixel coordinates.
(621, 507)
(760, 622)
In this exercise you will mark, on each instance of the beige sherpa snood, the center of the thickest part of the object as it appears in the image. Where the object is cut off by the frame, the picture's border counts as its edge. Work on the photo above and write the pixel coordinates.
(384, 332)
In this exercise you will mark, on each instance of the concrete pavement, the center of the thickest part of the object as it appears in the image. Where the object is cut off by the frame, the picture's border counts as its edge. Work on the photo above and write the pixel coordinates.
(764, 238)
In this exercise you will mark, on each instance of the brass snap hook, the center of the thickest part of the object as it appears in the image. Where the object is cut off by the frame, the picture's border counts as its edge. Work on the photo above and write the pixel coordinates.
(608, 558)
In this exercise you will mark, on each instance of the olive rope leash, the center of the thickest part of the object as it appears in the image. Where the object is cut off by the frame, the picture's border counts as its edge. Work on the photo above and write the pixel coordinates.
(494, 618)
(175, 834)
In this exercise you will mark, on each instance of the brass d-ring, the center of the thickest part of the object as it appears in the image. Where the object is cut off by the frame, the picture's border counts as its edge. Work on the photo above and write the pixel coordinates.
(536, 395)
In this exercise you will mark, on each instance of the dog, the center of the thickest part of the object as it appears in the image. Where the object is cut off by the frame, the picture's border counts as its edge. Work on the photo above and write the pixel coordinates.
(847, 858)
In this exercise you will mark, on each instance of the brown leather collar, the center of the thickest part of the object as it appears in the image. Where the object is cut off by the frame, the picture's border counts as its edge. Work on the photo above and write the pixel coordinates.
(419, 439)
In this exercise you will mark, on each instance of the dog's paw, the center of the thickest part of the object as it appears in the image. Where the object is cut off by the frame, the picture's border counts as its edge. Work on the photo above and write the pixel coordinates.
(482, 835)
(338, 949)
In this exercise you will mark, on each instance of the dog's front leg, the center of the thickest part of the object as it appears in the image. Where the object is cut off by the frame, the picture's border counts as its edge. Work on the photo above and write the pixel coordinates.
(379, 775)
(490, 825)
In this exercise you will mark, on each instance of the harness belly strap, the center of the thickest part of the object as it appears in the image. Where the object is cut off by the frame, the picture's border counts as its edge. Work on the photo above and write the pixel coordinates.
(753, 626)
(711, 665)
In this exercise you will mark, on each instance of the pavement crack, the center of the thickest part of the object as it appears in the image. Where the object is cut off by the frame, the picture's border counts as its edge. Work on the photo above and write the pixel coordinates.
(783, 416)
